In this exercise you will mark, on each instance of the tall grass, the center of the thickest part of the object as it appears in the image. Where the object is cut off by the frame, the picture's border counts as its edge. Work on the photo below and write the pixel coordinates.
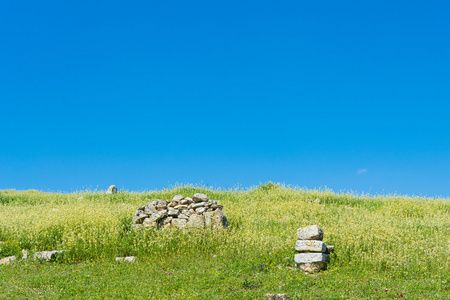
(408, 234)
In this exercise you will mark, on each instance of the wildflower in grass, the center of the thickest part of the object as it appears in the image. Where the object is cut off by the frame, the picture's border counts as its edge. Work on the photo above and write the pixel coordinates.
(376, 290)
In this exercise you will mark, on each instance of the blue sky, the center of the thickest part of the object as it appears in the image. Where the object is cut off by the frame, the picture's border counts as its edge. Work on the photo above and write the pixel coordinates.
(347, 95)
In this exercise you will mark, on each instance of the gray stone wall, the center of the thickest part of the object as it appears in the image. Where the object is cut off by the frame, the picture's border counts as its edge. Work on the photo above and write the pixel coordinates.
(198, 211)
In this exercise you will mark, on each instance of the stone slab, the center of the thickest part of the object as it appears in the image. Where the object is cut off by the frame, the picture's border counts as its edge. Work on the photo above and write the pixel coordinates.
(310, 233)
(302, 258)
(310, 246)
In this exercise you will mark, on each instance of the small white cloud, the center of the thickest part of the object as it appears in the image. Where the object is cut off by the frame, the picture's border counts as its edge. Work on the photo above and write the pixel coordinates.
(361, 171)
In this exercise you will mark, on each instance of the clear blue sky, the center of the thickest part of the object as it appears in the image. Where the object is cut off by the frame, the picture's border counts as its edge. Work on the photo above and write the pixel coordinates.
(349, 95)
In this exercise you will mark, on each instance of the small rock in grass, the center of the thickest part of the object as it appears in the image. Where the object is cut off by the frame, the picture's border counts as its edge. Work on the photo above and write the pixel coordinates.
(310, 233)
(329, 249)
(7, 260)
(48, 255)
(126, 259)
(276, 296)
(111, 190)
(24, 254)
(136, 226)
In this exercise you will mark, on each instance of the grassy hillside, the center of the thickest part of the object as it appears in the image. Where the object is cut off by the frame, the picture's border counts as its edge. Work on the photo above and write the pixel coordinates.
(386, 247)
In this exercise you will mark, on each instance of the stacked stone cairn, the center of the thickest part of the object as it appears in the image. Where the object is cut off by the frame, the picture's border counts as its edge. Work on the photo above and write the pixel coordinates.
(313, 253)
(197, 212)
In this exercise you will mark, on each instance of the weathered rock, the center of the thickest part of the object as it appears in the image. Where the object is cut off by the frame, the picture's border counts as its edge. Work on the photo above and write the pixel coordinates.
(111, 190)
(310, 233)
(215, 219)
(329, 249)
(7, 260)
(48, 255)
(196, 221)
(166, 220)
(172, 204)
(215, 206)
(181, 206)
(219, 219)
(208, 219)
(179, 223)
(126, 259)
(184, 202)
(161, 205)
(198, 204)
(141, 207)
(139, 219)
(139, 211)
(148, 223)
(200, 210)
(183, 216)
(149, 208)
(178, 198)
(173, 212)
(155, 217)
(310, 246)
(213, 201)
(189, 199)
(312, 267)
(302, 258)
(24, 254)
(200, 198)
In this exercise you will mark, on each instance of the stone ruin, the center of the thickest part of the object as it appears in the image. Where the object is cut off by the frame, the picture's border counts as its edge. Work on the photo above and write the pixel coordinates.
(313, 253)
(180, 212)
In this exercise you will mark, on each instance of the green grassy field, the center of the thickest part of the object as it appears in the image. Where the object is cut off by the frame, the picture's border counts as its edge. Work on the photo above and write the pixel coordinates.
(386, 247)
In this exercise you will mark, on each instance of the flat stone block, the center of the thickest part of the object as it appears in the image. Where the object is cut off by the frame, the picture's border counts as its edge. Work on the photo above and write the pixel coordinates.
(310, 246)
(302, 258)
(310, 233)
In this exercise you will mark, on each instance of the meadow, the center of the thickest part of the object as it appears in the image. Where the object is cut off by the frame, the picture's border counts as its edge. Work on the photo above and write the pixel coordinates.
(385, 246)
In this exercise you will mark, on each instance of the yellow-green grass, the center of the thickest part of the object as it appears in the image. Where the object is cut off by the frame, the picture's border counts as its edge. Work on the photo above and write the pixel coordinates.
(401, 244)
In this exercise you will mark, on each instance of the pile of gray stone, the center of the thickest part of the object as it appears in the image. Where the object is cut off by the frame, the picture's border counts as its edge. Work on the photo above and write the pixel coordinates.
(313, 253)
(180, 212)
